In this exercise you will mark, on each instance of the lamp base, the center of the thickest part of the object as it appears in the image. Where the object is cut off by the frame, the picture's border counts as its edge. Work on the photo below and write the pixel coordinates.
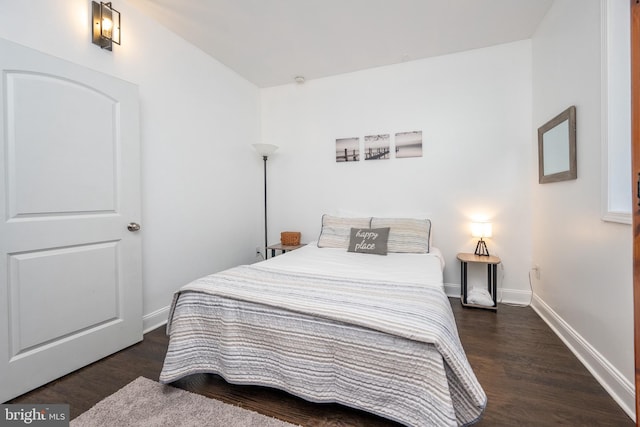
(481, 248)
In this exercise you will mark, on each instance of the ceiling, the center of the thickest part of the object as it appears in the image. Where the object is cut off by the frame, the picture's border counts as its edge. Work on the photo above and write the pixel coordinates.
(270, 42)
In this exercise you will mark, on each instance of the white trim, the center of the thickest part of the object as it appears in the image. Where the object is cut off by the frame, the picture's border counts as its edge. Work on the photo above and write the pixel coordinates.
(452, 290)
(514, 296)
(621, 217)
(620, 389)
(155, 319)
(508, 296)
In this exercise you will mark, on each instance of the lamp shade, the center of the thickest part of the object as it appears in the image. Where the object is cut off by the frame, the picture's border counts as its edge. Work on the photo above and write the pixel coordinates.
(481, 229)
(265, 150)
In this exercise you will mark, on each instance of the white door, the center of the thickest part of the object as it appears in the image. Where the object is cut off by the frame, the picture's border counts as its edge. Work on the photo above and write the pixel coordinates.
(70, 271)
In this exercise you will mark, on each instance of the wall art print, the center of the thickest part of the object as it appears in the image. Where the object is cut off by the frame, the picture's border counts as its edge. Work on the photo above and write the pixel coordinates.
(377, 147)
(347, 150)
(409, 144)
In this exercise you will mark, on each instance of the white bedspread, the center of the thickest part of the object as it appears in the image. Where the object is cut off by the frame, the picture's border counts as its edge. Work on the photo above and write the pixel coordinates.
(373, 332)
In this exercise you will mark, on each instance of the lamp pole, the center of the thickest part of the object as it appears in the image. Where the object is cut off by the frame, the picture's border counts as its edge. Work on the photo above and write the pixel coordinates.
(264, 158)
(265, 150)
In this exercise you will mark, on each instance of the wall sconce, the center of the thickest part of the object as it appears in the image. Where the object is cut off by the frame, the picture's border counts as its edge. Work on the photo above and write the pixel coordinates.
(481, 230)
(105, 25)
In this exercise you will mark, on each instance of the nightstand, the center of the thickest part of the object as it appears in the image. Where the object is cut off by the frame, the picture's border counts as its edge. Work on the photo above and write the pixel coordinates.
(492, 277)
(283, 248)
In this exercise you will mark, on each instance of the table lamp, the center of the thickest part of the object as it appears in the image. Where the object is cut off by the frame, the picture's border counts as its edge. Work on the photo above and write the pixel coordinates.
(481, 230)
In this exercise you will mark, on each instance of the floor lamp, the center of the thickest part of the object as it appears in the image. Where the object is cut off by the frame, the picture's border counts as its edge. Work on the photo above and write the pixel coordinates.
(265, 150)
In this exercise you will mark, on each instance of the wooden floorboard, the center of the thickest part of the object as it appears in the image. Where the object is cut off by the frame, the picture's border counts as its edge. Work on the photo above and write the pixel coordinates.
(529, 375)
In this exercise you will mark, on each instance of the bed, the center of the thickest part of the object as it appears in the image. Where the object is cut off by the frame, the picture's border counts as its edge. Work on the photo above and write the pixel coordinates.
(330, 324)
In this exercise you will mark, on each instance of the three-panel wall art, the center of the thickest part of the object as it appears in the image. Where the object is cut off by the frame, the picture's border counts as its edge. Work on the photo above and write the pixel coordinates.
(379, 147)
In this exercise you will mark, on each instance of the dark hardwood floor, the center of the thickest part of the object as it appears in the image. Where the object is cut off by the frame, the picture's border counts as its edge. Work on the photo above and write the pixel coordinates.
(530, 377)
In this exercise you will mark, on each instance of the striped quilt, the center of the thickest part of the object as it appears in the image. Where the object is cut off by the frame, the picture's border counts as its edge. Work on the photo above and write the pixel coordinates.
(387, 348)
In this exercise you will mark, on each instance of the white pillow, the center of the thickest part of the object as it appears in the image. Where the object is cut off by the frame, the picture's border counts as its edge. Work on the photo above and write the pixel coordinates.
(336, 230)
(406, 235)
(480, 297)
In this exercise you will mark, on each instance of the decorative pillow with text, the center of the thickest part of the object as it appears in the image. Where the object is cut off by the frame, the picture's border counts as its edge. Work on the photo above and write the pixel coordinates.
(369, 240)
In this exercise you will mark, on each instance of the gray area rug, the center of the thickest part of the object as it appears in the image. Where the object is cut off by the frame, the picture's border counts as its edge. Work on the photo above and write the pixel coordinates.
(144, 402)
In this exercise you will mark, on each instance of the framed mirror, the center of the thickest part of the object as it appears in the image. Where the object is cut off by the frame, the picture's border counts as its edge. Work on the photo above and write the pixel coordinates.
(557, 148)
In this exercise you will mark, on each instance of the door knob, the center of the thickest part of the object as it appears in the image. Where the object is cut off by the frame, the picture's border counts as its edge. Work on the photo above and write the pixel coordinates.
(133, 226)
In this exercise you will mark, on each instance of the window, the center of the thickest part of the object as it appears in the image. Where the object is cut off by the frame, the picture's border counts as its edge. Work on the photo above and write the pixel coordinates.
(616, 112)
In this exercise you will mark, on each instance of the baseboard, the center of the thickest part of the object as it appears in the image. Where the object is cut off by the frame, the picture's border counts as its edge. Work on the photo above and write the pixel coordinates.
(452, 290)
(507, 296)
(155, 319)
(620, 389)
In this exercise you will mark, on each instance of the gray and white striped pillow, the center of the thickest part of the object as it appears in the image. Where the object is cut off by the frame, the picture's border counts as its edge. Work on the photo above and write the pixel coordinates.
(336, 230)
(408, 235)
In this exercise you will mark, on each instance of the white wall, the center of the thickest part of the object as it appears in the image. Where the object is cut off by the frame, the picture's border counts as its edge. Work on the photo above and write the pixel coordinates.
(198, 120)
(474, 109)
(585, 286)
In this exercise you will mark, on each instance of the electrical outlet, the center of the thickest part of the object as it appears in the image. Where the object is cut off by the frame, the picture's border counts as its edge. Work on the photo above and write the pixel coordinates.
(536, 268)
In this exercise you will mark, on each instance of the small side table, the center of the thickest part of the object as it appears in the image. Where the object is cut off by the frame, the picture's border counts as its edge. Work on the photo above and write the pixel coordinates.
(492, 277)
(283, 248)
